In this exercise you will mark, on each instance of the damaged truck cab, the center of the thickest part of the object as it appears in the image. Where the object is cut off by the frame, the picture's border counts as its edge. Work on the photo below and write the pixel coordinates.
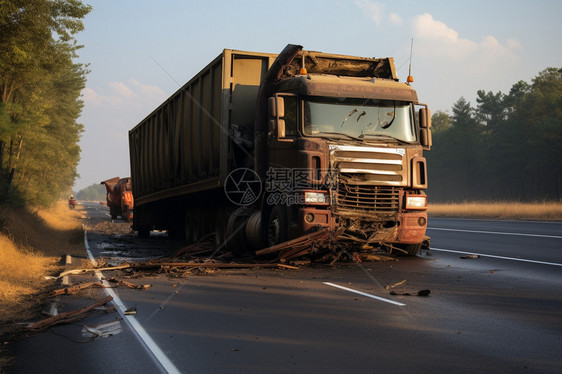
(360, 134)
(261, 148)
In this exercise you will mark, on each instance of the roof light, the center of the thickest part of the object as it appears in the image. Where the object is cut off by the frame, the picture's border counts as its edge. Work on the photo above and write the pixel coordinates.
(410, 79)
(303, 71)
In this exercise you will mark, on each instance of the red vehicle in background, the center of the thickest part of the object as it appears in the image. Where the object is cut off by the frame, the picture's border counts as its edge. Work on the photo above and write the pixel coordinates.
(120, 197)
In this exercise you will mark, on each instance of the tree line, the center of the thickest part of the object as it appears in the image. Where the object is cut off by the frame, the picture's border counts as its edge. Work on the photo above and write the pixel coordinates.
(40, 87)
(508, 147)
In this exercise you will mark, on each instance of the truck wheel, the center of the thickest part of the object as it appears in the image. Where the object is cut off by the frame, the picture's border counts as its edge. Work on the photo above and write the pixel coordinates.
(411, 249)
(236, 231)
(277, 226)
(144, 232)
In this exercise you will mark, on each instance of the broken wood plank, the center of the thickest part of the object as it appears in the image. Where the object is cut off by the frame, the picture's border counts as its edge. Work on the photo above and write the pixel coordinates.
(218, 265)
(74, 289)
(129, 284)
(288, 244)
(64, 317)
(80, 271)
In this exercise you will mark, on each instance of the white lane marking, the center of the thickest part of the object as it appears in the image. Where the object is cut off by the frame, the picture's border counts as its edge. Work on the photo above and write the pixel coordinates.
(497, 233)
(141, 333)
(364, 294)
(499, 257)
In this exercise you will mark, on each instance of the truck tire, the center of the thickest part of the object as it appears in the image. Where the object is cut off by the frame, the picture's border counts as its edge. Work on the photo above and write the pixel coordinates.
(236, 231)
(277, 226)
(144, 232)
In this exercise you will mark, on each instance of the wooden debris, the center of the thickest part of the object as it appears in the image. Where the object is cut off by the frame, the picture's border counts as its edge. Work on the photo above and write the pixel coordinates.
(420, 293)
(82, 286)
(297, 247)
(368, 257)
(121, 282)
(80, 271)
(77, 288)
(67, 317)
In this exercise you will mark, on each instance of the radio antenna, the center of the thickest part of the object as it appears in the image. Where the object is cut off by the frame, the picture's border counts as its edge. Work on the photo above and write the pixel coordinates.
(410, 79)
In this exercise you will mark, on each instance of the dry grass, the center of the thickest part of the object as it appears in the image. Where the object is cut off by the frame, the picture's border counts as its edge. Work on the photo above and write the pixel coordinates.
(21, 276)
(31, 244)
(548, 211)
(59, 217)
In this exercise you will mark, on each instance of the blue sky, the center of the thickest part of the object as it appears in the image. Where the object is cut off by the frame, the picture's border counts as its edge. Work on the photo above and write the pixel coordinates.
(136, 47)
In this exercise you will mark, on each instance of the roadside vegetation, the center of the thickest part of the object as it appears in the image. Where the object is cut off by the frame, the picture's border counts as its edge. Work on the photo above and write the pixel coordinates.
(507, 148)
(40, 87)
(32, 245)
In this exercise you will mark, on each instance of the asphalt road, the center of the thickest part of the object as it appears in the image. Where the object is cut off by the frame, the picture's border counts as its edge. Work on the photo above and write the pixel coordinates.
(500, 312)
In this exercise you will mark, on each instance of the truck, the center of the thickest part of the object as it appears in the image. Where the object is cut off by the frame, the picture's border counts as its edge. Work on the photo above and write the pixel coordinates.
(260, 148)
(120, 197)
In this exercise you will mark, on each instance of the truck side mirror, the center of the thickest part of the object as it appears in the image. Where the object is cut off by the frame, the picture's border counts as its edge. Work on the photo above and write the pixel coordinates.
(425, 118)
(425, 126)
(276, 107)
(425, 139)
(280, 128)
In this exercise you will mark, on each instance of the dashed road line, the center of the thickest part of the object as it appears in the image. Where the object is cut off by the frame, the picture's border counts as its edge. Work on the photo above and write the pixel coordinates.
(497, 233)
(498, 257)
(364, 294)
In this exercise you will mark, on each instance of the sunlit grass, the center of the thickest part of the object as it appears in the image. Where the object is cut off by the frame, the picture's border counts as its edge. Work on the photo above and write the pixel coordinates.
(59, 217)
(31, 244)
(21, 275)
(549, 211)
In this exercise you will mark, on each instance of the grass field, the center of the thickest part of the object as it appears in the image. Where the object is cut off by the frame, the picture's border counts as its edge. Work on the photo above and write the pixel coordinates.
(32, 243)
(548, 211)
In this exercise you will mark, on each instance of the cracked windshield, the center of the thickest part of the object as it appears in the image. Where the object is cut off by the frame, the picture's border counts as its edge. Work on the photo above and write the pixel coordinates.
(359, 118)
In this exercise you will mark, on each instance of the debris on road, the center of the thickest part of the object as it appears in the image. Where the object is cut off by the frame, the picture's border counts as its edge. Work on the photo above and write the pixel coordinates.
(470, 257)
(102, 330)
(68, 317)
(130, 311)
(304, 245)
(420, 293)
(71, 290)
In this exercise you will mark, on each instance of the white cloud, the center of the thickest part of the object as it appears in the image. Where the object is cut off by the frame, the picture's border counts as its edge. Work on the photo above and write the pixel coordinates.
(440, 40)
(434, 38)
(513, 44)
(374, 9)
(121, 89)
(396, 19)
(123, 94)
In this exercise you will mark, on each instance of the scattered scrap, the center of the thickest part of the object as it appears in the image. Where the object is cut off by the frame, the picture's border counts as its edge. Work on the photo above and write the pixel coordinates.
(71, 290)
(470, 257)
(102, 330)
(304, 245)
(72, 316)
(420, 293)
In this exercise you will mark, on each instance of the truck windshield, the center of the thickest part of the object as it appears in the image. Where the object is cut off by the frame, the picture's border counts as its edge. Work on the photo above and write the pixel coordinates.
(359, 118)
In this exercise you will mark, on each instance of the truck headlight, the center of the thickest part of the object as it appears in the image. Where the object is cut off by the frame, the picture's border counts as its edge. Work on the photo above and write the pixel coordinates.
(416, 202)
(315, 197)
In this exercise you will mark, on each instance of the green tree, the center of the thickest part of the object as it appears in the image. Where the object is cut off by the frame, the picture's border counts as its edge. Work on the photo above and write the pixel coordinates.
(94, 192)
(39, 94)
(440, 121)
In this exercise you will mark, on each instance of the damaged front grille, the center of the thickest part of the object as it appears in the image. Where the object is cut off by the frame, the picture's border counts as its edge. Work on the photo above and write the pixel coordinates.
(366, 198)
